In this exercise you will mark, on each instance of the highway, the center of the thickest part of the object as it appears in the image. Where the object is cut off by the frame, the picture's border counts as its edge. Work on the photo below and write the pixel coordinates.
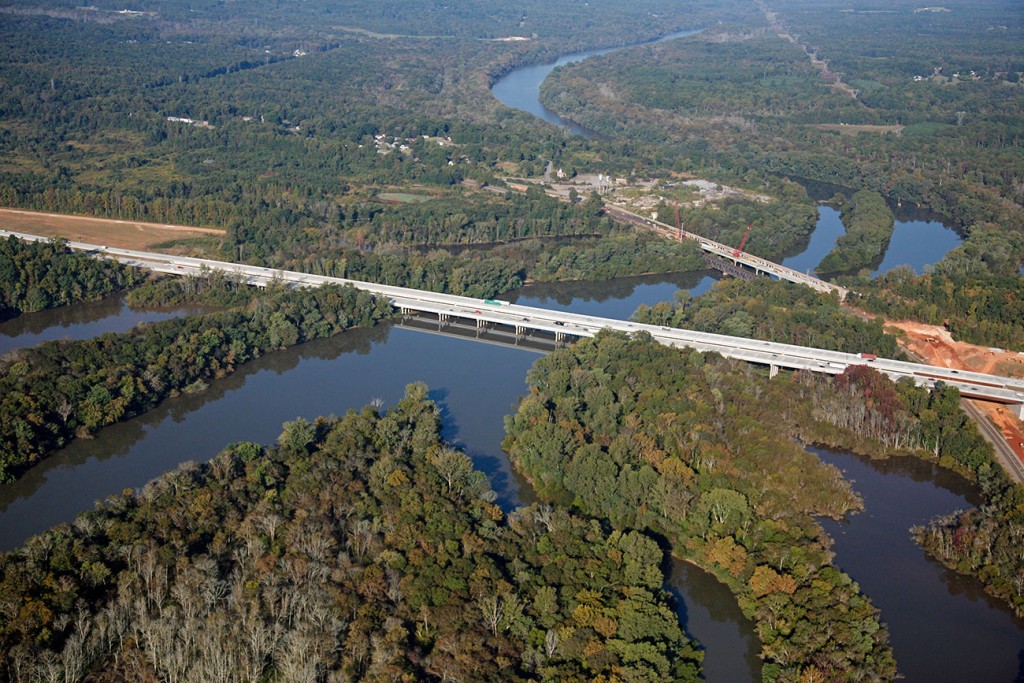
(757, 263)
(564, 325)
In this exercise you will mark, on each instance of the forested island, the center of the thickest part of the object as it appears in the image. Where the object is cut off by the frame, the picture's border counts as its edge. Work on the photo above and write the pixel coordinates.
(360, 140)
(361, 547)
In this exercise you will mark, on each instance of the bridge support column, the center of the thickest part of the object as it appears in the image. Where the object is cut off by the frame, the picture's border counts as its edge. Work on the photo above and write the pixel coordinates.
(773, 370)
(559, 337)
(1020, 412)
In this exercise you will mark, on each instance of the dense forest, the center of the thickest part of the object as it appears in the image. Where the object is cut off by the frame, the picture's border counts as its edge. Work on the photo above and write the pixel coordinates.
(705, 452)
(866, 100)
(360, 139)
(976, 290)
(38, 275)
(777, 311)
(63, 389)
(359, 548)
(649, 437)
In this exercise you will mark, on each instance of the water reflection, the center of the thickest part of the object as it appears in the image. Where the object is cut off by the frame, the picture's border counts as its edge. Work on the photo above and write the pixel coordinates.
(708, 611)
(615, 298)
(943, 626)
(520, 88)
(80, 321)
(478, 383)
(915, 243)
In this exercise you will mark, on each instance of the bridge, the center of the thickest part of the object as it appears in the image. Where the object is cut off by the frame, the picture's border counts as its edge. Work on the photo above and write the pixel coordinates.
(521, 321)
(723, 252)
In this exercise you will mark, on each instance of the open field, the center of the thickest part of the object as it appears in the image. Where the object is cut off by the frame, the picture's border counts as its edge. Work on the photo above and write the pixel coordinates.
(109, 232)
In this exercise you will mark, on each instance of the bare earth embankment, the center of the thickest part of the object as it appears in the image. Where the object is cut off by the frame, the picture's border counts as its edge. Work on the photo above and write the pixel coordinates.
(935, 345)
(106, 231)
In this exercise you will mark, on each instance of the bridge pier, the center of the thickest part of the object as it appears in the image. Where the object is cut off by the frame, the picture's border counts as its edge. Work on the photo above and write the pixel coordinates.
(1020, 411)
(773, 370)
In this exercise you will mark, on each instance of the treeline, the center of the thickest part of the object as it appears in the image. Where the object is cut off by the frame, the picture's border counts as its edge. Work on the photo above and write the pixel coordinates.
(38, 275)
(699, 450)
(59, 390)
(887, 417)
(488, 272)
(463, 219)
(360, 548)
(983, 542)
(776, 311)
(611, 258)
(869, 224)
(976, 289)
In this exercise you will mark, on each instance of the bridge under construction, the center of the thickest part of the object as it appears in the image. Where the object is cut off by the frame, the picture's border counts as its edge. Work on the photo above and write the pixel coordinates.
(730, 260)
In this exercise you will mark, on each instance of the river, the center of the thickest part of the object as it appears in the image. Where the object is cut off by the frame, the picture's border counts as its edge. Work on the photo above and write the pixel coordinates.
(919, 239)
(520, 88)
(476, 385)
(83, 321)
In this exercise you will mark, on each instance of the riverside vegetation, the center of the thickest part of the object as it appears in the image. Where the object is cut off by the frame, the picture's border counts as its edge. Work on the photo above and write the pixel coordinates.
(63, 389)
(869, 224)
(297, 182)
(704, 452)
(359, 548)
(38, 275)
(775, 311)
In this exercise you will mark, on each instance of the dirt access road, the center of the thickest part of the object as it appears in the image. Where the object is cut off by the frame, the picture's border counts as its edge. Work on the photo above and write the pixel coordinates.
(106, 231)
(934, 345)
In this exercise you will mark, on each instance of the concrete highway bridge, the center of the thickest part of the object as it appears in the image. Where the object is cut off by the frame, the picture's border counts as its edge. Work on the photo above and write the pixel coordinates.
(726, 253)
(560, 326)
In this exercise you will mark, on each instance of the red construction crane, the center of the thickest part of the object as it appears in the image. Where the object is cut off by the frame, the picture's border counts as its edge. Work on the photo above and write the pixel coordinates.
(743, 242)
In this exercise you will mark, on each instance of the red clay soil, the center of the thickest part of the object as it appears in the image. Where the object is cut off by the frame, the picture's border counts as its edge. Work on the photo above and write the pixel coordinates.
(935, 345)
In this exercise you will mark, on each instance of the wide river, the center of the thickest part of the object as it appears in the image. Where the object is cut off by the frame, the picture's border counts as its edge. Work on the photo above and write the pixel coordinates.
(943, 627)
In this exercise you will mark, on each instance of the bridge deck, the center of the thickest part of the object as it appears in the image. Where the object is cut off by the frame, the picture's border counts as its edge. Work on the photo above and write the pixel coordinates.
(563, 324)
(757, 263)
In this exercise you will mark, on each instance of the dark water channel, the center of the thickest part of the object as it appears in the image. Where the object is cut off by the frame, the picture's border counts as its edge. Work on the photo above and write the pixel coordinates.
(83, 321)
(920, 238)
(476, 385)
(942, 625)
